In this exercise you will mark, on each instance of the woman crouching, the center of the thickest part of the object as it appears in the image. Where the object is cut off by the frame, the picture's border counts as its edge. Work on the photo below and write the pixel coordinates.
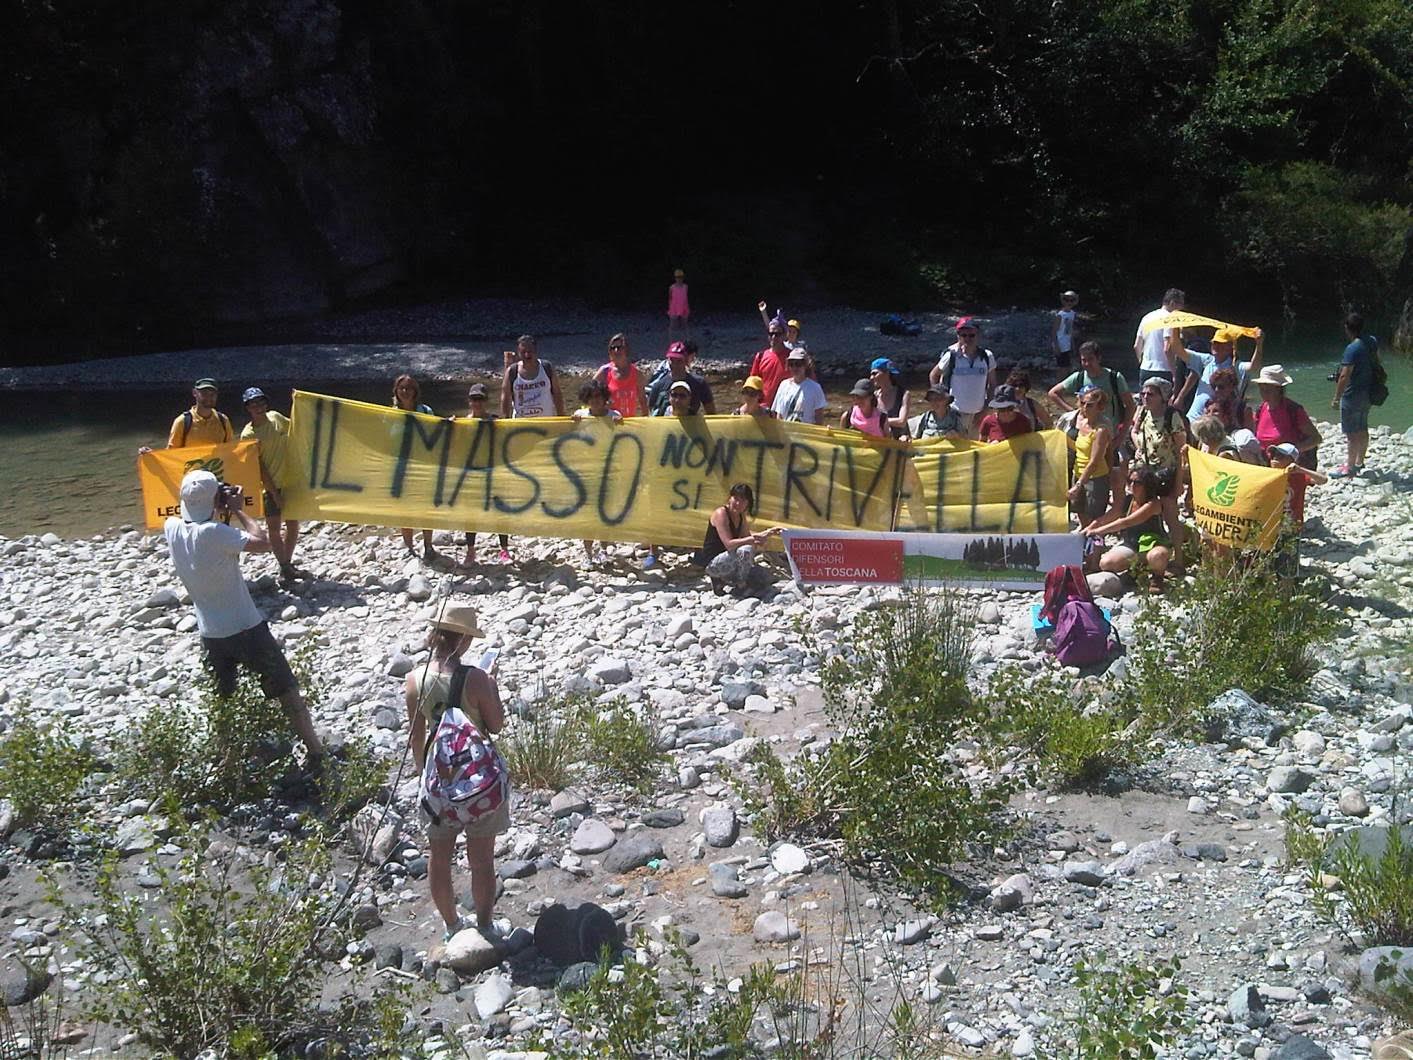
(429, 695)
(728, 552)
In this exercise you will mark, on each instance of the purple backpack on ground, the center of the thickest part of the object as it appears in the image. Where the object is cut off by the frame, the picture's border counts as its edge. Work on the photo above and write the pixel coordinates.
(1081, 634)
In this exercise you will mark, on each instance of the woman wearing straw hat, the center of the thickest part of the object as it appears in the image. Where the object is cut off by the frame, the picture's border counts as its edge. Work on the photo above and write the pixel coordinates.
(449, 634)
(1280, 420)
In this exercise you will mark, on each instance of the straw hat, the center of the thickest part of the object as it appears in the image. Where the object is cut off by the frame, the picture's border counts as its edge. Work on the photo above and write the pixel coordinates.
(459, 618)
(1274, 375)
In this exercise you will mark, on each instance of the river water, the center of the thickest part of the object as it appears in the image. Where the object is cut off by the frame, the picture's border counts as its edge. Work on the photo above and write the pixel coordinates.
(67, 458)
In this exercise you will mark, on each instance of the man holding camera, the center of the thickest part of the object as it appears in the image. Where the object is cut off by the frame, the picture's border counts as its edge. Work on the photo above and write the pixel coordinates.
(206, 554)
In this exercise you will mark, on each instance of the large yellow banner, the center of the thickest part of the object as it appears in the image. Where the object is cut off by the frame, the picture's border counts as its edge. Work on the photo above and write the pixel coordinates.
(1183, 319)
(1239, 505)
(653, 479)
(160, 471)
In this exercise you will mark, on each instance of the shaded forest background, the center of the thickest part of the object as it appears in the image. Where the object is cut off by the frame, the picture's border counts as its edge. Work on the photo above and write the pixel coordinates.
(174, 173)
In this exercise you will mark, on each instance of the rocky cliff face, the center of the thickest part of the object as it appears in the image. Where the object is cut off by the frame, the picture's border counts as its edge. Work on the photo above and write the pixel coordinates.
(256, 138)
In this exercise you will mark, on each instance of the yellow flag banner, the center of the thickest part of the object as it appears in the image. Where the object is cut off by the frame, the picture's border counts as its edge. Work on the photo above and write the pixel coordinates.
(160, 471)
(1193, 320)
(652, 479)
(1239, 505)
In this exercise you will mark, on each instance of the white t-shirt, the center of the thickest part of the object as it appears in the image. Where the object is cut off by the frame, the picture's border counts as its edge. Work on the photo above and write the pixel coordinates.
(968, 382)
(207, 558)
(1154, 351)
(531, 396)
(1064, 334)
(798, 402)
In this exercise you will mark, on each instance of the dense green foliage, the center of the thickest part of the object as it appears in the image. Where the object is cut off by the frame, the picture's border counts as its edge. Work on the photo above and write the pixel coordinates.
(568, 737)
(933, 152)
(41, 774)
(1134, 1011)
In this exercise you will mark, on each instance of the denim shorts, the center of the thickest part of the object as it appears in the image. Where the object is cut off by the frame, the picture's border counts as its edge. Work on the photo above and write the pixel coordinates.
(1354, 412)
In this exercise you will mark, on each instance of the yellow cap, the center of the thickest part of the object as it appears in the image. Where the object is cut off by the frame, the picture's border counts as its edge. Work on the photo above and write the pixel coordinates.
(754, 382)
(793, 324)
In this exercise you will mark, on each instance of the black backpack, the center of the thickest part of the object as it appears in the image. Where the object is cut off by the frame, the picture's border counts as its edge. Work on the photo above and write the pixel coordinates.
(226, 424)
(952, 365)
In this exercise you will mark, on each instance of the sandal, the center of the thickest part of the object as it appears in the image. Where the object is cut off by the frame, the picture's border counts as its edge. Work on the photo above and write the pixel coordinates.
(1345, 471)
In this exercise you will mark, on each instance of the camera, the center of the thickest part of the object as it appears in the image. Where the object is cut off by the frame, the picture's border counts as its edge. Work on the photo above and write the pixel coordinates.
(1332, 376)
(227, 496)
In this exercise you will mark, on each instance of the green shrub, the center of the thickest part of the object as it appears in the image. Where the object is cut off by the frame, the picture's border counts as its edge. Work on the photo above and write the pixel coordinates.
(542, 749)
(1130, 1012)
(1247, 629)
(620, 746)
(204, 961)
(784, 800)
(1070, 744)
(42, 773)
(348, 784)
(1376, 898)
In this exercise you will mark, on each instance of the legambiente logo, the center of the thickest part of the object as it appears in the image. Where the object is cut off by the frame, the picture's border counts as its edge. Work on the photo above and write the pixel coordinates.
(214, 464)
(1223, 492)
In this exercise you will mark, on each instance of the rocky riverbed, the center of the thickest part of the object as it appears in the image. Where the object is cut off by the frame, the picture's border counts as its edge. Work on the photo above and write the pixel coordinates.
(1189, 861)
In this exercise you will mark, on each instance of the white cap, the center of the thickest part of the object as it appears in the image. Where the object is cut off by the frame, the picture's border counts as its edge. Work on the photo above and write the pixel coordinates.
(199, 496)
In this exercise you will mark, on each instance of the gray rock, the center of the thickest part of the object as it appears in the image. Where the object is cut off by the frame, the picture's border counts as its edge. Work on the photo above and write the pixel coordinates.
(720, 826)
(909, 932)
(1234, 716)
(163, 598)
(1386, 969)
(633, 851)
(788, 859)
(515, 868)
(1289, 780)
(592, 837)
(468, 952)
(726, 881)
(1205, 851)
(1352, 803)
(400, 665)
(1246, 1008)
(447, 981)
(135, 835)
(712, 735)
(1106, 584)
(758, 705)
(735, 693)
(610, 670)
(7, 818)
(374, 832)
(775, 926)
(389, 719)
(577, 976)
(493, 995)
(568, 801)
(1153, 854)
(1064, 841)
(1012, 893)
(388, 955)
(667, 817)
(418, 589)
(1087, 873)
(1299, 1047)
(21, 984)
(366, 917)
(1370, 840)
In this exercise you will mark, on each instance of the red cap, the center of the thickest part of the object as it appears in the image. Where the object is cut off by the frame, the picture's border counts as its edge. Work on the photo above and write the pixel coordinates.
(676, 350)
(966, 322)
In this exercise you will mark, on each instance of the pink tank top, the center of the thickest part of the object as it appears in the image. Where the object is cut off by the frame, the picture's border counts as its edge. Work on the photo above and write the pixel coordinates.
(867, 422)
(677, 301)
(623, 392)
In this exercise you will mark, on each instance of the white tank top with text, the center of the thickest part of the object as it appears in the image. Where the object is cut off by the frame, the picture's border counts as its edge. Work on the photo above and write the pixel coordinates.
(531, 395)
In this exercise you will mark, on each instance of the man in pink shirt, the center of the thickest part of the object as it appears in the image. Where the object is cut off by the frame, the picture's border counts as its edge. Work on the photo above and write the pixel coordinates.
(770, 364)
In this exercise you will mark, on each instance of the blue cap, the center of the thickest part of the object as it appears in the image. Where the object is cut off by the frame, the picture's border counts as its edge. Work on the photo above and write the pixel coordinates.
(885, 364)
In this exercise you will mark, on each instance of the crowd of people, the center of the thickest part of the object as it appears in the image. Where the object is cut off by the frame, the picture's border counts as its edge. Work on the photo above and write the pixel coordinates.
(1128, 491)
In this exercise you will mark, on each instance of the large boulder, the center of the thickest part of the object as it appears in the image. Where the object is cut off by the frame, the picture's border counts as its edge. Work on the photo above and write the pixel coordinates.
(469, 952)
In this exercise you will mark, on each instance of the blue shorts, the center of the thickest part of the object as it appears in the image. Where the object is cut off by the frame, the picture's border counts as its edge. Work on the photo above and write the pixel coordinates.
(1354, 412)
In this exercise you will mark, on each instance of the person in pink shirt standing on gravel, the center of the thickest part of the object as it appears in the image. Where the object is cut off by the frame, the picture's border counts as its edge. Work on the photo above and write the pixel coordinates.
(678, 308)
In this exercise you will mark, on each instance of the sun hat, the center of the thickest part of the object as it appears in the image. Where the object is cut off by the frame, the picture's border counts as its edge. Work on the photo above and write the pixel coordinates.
(798, 354)
(677, 352)
(937, 390)
(204, 384)
(1274, 375)
(863, 388)
(253, 393)
(1224, 335)
(1158, 383)
(1005, 398)
(1286, 449)
(754, 382)
(198, 495)
(478, 390)
(459, 618)
(681, 384)
(884, 363)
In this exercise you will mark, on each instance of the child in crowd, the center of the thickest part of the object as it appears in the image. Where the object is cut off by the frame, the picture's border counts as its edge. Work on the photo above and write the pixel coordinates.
(593, 404)
(476, 400)
(679, 310)
(1062, 331)
(1297, 480)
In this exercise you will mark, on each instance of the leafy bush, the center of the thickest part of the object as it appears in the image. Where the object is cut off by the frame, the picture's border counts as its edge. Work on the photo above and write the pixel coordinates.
(202, 963)
(1071, 744)
(1247, 629)
(41, 773)
(620, 745)
(1130, 1012)
(784, 800)
(541, 749)
(1377, 892)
